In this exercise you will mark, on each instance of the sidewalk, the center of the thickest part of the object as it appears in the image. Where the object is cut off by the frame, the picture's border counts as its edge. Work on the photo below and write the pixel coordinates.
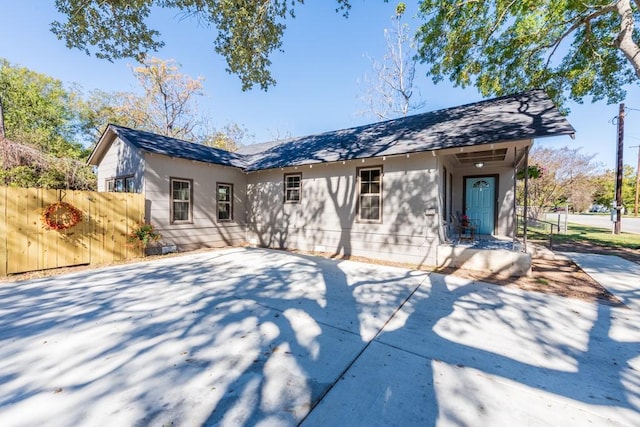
(615, 274)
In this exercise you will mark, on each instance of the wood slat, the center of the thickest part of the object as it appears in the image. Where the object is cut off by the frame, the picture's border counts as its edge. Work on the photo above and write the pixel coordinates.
(101, 236)
(3, 231)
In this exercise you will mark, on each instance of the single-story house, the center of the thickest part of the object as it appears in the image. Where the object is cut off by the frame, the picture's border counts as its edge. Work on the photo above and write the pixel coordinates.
(386, 190)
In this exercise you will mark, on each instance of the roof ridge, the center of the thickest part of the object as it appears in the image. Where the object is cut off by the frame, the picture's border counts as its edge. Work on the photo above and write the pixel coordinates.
(466, 125)
(413, 116)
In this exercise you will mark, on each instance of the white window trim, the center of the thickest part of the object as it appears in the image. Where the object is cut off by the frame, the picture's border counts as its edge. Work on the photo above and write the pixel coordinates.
(189, 220)
(379, 194)
(287, 188)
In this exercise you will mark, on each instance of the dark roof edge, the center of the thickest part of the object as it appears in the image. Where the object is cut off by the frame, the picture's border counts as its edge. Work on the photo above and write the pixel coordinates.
(97, 150)
(246, 162)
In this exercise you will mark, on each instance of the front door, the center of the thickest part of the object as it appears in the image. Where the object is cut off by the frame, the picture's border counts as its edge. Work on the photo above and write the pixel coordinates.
(480, 202)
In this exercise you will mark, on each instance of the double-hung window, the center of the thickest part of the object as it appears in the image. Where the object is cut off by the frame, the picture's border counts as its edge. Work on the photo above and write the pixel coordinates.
(225, 201)
(292, 187)
(181, 200)
(370, 194)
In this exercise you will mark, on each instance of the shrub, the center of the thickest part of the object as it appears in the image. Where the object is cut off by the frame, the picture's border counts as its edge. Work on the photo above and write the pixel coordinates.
(143, 235)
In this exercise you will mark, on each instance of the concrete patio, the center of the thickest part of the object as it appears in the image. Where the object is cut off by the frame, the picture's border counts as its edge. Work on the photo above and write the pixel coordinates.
(262, 337)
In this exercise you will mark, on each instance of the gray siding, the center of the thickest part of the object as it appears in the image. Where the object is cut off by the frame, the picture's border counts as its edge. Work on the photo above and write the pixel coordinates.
(205, 230)
(325, 219)
(121, 159)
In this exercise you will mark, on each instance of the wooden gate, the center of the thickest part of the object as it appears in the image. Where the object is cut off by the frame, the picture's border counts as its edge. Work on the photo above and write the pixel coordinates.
(26, 244)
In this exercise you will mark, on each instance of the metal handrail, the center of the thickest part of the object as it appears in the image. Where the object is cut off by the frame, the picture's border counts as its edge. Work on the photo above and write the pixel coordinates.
(520, 218)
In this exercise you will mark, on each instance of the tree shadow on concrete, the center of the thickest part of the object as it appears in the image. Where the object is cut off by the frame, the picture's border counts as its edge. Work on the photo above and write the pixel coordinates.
(464, 346)
(186, 340)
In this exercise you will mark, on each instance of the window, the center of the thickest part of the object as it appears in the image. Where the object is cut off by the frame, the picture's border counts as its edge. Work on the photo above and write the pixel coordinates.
(121, 184)
(225, 202)
(481, 184)
(370, 195)
(181, 200)
(129, 185)
(292, 188)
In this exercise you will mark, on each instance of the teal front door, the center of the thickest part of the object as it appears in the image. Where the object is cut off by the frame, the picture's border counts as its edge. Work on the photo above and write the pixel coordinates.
(480, 201)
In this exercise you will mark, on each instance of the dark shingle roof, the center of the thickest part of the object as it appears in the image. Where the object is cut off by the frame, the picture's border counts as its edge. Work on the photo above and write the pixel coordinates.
(530, 114)
(173, 147)
(527, 115)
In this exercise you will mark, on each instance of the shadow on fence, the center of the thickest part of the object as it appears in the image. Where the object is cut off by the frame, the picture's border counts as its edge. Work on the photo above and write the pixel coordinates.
(27, 244)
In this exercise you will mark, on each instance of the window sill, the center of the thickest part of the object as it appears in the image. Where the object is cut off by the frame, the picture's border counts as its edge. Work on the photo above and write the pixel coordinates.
(368, 221)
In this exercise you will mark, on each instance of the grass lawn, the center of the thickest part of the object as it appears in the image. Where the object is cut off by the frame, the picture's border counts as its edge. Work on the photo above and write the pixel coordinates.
(586, 234)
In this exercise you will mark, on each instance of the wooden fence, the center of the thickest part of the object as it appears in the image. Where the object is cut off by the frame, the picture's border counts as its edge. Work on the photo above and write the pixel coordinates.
(26, 244)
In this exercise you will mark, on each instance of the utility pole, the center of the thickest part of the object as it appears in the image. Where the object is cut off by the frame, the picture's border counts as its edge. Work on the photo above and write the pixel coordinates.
(619, 173)
(635, 205)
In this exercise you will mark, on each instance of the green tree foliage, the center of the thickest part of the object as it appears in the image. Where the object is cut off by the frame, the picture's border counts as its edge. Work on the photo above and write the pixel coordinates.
(570, 48)
(247, 31)
(23, 165)
(566, 176)
(605, 185)
(39, 110)
(100, 109)
(41, 120)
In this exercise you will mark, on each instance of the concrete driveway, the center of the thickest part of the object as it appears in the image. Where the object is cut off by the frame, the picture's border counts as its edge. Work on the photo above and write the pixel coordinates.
(260, 337)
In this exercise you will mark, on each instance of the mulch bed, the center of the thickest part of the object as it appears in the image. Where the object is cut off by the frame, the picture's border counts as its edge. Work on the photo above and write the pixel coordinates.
(560, 277)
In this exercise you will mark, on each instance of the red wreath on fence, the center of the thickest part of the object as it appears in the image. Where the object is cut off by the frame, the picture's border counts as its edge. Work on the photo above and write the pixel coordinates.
(61, 215)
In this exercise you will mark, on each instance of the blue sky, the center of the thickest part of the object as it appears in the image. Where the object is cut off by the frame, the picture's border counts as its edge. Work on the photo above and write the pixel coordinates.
(324, 58)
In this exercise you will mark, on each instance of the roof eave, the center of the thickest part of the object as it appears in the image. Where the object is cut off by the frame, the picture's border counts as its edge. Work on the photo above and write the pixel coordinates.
(105, 141)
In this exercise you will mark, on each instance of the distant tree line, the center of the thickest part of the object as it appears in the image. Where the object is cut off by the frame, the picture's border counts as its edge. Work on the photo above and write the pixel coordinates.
(568, 176)
(49, 128)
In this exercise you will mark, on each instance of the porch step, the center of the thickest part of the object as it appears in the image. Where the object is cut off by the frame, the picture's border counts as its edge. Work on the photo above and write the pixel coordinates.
(492, 260)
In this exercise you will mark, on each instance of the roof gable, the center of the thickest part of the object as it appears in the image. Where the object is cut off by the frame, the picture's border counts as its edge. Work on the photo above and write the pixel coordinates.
(160, 144)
